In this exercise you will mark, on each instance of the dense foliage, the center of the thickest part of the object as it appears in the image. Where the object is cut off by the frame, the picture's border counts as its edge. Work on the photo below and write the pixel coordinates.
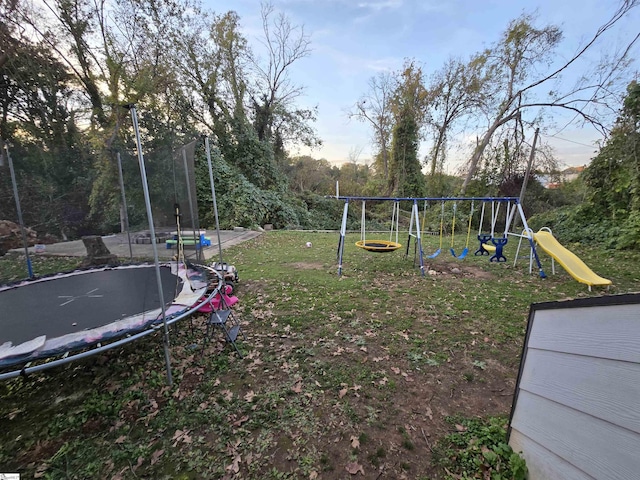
(69, 73)
(610, 212)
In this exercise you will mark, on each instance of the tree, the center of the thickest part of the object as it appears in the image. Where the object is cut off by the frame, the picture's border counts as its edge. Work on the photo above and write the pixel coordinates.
(310, 175)
(613, 176)
(276, 117)
(504, 163)
(374, 108)
(410, 113)
(250, 106)
(512, 65)
(67, 67)
(37, 118)
(609, 213)
(9, 37)
(456, 91)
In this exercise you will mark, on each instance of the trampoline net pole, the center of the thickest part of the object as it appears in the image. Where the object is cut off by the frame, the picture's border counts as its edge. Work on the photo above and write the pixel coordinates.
(194, 223)
(213, 195)
(145, 188)
(125, 212)
(19, 209)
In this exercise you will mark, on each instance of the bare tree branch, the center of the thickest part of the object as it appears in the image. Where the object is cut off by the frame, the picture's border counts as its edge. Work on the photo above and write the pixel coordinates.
(521, 48)
(375, 108)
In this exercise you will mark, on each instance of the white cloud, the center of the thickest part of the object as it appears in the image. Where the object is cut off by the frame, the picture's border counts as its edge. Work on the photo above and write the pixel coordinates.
(353, 65)
(381, 5)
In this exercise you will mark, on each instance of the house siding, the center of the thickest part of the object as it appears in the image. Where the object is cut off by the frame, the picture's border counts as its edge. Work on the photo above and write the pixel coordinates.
(576, 413)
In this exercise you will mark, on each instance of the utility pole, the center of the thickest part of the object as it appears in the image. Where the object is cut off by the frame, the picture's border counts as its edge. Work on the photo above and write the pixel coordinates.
(528, 172)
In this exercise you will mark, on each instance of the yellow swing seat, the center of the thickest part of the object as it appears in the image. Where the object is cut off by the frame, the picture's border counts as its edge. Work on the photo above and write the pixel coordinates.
(379, 246)
(489, 247)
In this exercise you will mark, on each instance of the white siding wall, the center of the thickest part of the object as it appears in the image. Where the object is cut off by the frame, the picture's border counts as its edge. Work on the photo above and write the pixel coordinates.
(577, 414)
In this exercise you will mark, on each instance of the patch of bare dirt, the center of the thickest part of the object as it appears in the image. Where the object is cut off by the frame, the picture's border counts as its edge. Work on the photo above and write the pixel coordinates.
(307, 266)
(458, 269)
(395, 434)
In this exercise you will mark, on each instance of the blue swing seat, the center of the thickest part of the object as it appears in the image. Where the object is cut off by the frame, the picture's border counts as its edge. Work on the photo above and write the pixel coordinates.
(462, 254)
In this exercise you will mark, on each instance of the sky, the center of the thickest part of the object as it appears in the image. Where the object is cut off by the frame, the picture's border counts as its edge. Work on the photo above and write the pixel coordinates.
(353, 40)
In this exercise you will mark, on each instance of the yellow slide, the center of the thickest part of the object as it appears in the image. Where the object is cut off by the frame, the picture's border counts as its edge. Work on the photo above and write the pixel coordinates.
(569, 260)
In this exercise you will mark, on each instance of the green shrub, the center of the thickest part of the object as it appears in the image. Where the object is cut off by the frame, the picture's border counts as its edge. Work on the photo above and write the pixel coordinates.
(478, 449)
(586, 224)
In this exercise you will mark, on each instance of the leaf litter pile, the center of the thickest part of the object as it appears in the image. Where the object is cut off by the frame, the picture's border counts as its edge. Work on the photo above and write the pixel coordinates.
(342, 377)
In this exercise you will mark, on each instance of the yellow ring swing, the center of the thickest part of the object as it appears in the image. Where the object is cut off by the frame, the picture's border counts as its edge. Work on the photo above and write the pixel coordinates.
(380, 246)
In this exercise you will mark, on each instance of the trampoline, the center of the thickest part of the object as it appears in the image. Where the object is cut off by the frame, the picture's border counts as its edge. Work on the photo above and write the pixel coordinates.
(84, 309)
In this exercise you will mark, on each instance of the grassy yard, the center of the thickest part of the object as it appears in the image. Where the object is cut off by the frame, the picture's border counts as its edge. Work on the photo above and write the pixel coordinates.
(359, 376)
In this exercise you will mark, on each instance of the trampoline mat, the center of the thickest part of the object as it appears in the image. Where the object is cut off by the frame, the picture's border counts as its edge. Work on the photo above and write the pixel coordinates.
(81, 301)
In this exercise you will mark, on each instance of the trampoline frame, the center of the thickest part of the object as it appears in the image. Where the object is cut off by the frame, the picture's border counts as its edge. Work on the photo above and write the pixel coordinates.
(68, 358)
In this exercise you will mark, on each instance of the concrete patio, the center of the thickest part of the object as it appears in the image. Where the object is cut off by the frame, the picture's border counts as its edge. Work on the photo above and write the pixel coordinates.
(118, 244)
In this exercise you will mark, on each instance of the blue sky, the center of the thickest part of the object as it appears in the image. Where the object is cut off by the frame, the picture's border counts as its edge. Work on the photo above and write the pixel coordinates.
(352, 40)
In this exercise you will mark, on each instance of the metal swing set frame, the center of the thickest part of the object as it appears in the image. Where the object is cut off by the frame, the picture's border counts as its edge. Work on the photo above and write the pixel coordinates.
(513, 208)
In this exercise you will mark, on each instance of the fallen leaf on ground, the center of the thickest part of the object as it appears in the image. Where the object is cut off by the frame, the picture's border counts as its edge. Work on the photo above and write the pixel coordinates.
(227, 395)
(235, 465)
(249, 396)
(355, 443)
(156, 456)
(181, 436)
(239, 422)
(342, 392)
(353, 468)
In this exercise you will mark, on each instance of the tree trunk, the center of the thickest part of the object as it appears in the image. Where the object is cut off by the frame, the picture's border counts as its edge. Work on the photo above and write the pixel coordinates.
(436, 150)
(385, 161)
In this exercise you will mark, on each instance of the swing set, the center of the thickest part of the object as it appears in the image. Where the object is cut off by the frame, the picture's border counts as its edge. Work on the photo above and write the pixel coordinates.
(496, 245)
